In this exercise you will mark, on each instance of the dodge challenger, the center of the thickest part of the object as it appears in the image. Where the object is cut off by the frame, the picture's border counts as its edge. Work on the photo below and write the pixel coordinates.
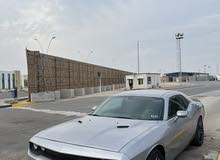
(131, 125)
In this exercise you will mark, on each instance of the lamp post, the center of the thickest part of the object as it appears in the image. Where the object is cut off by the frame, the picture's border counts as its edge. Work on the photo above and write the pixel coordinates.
(88, 55)
(138, 60)
(179, 36)
(100, 81)
(41, 49)
(206, 71)
(50, 43)
(206, 67)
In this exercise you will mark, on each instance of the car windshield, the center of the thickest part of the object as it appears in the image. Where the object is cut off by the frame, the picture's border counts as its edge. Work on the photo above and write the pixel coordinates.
(132, 107)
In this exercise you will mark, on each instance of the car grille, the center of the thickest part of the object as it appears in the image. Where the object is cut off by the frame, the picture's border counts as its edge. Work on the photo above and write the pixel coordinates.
(55, 155)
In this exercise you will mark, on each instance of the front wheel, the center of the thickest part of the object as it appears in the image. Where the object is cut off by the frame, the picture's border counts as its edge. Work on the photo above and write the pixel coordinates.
(155, 155)
(199, 135)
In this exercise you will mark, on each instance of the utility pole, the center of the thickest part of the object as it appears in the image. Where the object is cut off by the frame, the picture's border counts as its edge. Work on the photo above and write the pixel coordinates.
(179, 36)
(100, 81)
(217, 69)
(204, 67)
(138, 61)
(41, 49)
(50, 43)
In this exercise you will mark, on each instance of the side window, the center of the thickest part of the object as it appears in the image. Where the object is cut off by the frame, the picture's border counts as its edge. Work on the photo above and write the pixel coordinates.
(148, 80)
(174, 107)
(140, 81)
(185, 101)
(181, 101)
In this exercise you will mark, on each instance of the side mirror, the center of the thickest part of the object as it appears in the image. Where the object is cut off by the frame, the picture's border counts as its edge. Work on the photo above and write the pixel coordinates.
(94, 108)
(182, 114)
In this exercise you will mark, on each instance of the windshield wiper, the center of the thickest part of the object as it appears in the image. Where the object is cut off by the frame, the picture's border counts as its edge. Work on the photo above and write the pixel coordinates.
(95, 115)
(112, 116)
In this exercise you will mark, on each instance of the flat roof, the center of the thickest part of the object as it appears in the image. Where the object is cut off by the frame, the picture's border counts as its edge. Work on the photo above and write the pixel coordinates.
(184, 73)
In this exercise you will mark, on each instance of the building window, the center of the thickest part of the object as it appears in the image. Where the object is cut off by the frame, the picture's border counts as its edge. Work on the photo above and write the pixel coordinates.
(9, 81)
(13, 80)
(148, 80)
(140, 81)
(25, 83)
(3, 81)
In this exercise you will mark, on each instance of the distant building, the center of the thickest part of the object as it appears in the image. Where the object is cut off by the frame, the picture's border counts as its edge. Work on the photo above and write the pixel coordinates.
(9, 80)
(218, 77)
(186, 77)
(143, 80)
(24, 81)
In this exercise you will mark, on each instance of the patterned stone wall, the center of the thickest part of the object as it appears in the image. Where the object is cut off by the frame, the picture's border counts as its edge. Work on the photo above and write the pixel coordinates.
(50, 73)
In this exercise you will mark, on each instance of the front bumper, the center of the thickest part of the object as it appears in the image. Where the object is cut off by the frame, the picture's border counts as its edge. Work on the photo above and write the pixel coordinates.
(69, 149)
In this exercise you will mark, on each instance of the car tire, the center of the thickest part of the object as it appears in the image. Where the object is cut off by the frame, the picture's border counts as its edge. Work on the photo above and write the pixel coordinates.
(199, 135)
(155, 155)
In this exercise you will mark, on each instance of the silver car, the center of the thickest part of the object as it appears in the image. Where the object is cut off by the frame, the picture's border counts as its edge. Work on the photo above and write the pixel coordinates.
(132, 125)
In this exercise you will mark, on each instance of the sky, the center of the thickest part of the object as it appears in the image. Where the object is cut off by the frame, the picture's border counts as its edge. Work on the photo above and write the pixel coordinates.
(105, 32)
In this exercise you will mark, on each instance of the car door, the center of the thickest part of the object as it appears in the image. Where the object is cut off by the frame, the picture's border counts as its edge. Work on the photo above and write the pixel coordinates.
(192, 118)
(178, 127)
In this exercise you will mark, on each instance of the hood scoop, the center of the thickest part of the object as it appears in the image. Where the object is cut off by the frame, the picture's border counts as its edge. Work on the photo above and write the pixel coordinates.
(80, 122)
(122, 126)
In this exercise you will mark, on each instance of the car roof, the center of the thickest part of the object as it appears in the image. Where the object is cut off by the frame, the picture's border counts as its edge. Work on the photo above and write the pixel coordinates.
(146, 93)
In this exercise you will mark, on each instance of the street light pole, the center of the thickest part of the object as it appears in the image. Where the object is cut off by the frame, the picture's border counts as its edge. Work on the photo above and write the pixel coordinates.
(138, 60)
(179, 36)
(204, 68)
(100, 81)
(41, 49)
(50, 43)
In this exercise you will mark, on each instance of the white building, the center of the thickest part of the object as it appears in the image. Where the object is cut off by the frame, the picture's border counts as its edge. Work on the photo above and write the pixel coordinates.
(9, 80)
(218, 77)
(24, 81)
(143, 80)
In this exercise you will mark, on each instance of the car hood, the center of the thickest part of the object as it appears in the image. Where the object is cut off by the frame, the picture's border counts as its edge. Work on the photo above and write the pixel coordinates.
(104, 133)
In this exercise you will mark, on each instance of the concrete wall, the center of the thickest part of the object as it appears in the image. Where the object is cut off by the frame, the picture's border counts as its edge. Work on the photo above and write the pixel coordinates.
(70, 93)
(45, 96)
(176, 84)
(67, 93)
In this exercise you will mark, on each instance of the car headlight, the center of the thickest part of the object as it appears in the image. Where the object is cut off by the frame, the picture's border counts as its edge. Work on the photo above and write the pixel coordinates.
(36, 149)
(35, 146)
(42, 148)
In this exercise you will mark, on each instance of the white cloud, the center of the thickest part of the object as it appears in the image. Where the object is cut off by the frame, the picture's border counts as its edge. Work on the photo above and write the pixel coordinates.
(38, 18)
(111, 29)
(202, 25)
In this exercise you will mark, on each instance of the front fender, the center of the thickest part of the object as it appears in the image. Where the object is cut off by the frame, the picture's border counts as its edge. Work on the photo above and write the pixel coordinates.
(141, 146)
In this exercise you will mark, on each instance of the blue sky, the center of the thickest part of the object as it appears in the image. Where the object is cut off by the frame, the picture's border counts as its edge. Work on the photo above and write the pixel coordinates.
(105, 32)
